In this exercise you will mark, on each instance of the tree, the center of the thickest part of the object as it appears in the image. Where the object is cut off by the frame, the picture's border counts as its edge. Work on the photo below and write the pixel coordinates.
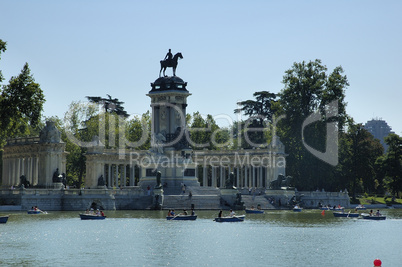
(309, 89)
(360, 157)
(21, 105)
(3, 48)
(393, 163)
(260, 114)
(137, 128)
(205, 133)
(110, 105)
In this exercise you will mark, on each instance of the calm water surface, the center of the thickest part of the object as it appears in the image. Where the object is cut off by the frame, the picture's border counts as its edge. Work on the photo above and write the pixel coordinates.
(146, 238)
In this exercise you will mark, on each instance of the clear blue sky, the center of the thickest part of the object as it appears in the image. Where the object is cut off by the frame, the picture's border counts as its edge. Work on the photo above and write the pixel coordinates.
(231, 49)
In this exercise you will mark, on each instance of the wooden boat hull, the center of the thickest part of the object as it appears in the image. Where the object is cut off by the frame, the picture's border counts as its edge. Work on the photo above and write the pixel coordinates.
(230, 219)
(3, 219)
(338, 209)
(91, 217)
(182, 218)
(34, 211)
(346, 215)
(254, 211)
(373, 217)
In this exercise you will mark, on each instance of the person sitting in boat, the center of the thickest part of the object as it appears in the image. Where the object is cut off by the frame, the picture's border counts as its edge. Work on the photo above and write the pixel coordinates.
(378, 213)
(371, 213)
(184, 212)
(192, 212)
(97, 212)
(258, 207)
(87, 211)
(102, 214)
(296, 207)
(220, 214)
(91, 211)
(232, 213)
(169, 213)
(172, 213)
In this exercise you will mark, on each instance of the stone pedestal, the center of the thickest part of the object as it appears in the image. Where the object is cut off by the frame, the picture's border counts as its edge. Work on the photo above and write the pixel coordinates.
(157, 198)
(232, 197)
(58, 185)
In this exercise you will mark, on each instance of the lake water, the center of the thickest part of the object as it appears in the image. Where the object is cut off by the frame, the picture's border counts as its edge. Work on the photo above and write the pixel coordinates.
(146, 238)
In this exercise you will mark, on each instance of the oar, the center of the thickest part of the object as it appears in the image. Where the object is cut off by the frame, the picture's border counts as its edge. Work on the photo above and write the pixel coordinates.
(348, 215)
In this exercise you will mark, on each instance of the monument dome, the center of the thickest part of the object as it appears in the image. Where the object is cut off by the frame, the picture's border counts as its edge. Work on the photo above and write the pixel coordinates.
(169, 83)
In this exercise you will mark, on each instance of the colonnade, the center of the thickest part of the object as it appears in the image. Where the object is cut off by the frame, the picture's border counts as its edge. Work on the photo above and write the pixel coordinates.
(15, 167)
(244, 176)
(36, 160)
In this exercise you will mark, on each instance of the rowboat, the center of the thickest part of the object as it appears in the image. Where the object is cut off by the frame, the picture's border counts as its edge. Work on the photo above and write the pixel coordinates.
(367, 216)
(341, 209)
(91, 217)
(3, 219)
(254, 211)
(182, 217)
(239, 218)
(34, 211)
(345, 215)
(297, 209)
(333, 209)
(360, 207)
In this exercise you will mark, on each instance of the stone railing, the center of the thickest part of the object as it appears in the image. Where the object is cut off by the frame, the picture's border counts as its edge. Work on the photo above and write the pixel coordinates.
(23, 140)
(135, 190)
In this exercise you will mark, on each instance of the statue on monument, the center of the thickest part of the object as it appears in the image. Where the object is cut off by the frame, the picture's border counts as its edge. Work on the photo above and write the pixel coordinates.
(157, 141)
(101, 181)
(158, 180)
(56, 177)
(280, 182)
(24, 181)
(170, 62)
(229, 182)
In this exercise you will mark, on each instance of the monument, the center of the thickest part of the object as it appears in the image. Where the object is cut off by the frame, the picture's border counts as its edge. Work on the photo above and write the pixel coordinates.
(170, 153)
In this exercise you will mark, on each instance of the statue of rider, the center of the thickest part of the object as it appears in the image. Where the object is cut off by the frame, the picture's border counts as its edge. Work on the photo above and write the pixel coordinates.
(169, 57)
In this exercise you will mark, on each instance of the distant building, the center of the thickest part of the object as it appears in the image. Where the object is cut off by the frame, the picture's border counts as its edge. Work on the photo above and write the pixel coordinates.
(379, 129)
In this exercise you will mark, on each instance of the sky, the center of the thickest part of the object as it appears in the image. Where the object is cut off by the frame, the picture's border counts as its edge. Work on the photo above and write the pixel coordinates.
(231, 49)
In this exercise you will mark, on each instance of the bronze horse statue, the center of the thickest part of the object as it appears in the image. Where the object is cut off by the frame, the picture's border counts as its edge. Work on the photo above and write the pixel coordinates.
(170, 63)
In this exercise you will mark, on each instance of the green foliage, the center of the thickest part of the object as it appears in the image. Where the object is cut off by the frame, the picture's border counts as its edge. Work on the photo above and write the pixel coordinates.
(261, 112)
(308, 89)
(3, 48)
(21, 105)
(205, 133)
(110, 105)
(138, 131)
(392, 163)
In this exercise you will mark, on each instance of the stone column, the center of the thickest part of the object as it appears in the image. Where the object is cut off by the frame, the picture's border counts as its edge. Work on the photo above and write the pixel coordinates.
(125, 175)
(220, 176)
(253, 176)
(204, 176)
(214, 183)
(238, 177)
(116, 178)
(132, 174)
(109, 176)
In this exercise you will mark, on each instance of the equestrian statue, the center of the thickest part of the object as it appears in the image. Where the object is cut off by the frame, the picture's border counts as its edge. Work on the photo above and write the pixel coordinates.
(170, 61)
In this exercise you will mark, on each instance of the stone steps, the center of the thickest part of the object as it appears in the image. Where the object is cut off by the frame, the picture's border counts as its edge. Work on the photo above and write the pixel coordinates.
(179, 202)
(249, 201)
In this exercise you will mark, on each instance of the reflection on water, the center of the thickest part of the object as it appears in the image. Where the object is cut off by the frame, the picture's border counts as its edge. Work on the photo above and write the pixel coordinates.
(146, 238)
